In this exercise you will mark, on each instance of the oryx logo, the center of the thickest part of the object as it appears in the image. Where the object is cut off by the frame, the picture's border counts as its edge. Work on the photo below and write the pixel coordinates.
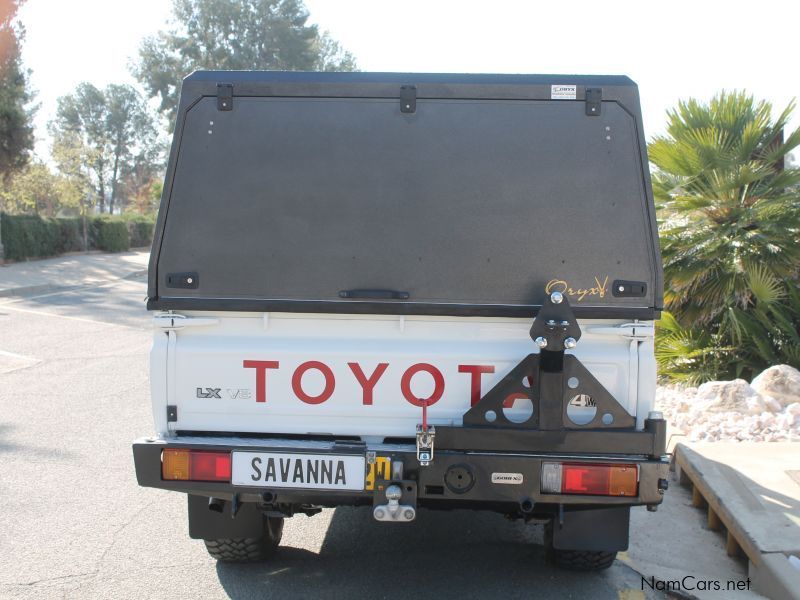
(209, 392)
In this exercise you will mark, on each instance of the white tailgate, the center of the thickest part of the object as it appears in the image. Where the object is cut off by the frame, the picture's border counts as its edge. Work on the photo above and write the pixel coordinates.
(210, 371)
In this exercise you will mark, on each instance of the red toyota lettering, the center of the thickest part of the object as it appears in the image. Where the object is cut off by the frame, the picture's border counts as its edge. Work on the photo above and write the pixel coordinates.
(261, 367)
(475, 386)
(438, 384)
(513, 397)
(330, 382)
(367, 384)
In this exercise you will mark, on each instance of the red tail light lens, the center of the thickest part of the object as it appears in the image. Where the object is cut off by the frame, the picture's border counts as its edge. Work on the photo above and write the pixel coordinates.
(590, 479)
(211, 466)
(178, 464)
(585, 479)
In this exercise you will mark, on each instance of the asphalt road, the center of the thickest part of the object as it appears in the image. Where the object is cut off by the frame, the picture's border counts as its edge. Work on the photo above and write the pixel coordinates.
(74, 524)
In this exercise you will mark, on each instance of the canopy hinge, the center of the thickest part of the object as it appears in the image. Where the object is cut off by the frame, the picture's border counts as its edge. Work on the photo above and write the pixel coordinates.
(225, 96)
(594, 101)
(408, 98)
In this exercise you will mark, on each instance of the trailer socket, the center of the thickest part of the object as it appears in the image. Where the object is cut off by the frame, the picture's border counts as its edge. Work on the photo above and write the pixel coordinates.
(526, 506)
(268, 497)
(459, 478)
(216, 505)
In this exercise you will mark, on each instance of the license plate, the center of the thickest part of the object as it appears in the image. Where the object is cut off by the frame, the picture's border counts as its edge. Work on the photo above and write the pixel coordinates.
(300, 471)
(380, 469)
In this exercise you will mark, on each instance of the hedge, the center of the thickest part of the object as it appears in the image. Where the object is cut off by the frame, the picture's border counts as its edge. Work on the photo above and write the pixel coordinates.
(32, 236)
(28, 235)
(140, 229)
(71, 234)
(109, 234)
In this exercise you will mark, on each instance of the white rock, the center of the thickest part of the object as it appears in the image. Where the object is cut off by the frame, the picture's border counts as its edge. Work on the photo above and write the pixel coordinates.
(782, 382)
(772, 404)
(724, 396)
(728, 412)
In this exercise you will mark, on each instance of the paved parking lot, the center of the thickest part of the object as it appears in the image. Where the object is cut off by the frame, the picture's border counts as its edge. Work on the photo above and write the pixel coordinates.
(74, 524)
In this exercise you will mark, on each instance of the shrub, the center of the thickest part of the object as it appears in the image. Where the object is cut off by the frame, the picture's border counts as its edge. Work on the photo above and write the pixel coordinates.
(32, 236)
(109, 234)
(29, 236)
(140, 229)
(71, 234)
(729, 221)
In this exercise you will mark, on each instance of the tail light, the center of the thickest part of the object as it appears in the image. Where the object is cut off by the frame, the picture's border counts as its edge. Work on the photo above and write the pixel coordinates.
(179, 464)
(590, 479)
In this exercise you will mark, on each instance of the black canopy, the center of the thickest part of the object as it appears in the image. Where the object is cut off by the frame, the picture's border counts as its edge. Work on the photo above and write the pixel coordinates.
(407, 194)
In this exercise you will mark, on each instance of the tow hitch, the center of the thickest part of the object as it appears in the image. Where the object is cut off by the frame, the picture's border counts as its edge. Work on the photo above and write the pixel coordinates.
(400, 505)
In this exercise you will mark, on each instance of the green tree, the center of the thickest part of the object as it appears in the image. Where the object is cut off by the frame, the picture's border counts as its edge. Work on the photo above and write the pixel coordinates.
(35, 189)
(236, 35)
(16, 113)
(111, 129)
(729, 219)
(134, 147)
(71, 156)
(142, 185)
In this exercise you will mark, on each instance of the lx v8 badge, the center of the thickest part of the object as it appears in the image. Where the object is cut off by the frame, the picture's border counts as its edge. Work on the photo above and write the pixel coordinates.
(233, 394)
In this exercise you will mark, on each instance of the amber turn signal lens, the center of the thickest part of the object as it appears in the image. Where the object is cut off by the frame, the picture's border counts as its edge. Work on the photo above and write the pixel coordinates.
(623, 481)
(175, 465)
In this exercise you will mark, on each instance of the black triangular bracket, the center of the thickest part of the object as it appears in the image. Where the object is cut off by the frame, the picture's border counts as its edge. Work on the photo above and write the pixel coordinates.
(553, 381)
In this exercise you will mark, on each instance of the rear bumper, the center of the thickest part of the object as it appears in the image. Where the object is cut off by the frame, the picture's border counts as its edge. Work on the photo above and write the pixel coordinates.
(431, 487)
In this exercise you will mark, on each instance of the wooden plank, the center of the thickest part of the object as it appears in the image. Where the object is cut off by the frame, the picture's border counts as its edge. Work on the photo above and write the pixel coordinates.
(697, 497)
(701, 487)
(714, 522)
(683, 478)
(732, 546)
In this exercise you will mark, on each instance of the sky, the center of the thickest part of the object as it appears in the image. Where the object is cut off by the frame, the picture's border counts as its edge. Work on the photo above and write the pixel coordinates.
(673, 50)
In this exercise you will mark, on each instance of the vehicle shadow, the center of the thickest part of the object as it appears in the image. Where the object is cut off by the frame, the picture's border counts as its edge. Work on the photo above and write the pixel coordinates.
(456, 554)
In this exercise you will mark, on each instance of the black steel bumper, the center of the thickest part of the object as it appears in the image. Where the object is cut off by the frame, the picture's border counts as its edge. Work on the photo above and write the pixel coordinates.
(432, 489)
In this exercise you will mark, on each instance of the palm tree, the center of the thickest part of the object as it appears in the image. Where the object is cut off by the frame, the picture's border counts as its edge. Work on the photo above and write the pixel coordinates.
(729, 218)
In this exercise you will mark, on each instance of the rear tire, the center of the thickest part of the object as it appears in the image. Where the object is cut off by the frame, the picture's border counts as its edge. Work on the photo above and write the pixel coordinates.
(576, 560)
(245, 550)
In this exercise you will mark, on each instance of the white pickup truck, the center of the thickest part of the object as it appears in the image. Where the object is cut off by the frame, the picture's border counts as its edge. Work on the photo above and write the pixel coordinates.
(405, 291)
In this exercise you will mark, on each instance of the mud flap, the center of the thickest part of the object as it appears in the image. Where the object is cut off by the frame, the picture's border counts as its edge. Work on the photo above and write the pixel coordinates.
(596, 530)
(206, 524)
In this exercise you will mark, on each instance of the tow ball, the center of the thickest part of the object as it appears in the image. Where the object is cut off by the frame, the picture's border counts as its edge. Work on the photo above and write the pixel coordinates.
(395, 510)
